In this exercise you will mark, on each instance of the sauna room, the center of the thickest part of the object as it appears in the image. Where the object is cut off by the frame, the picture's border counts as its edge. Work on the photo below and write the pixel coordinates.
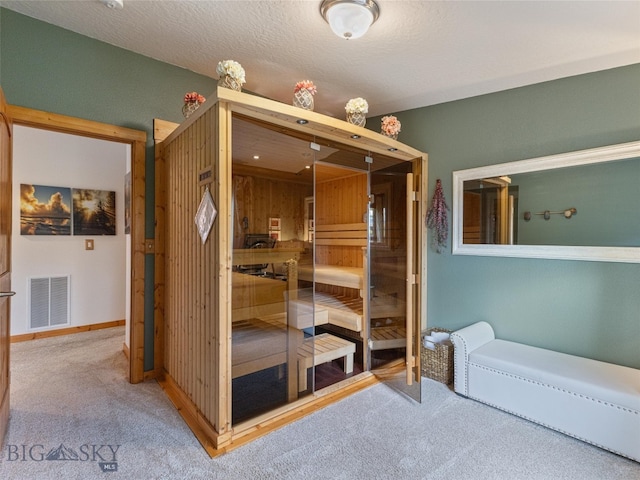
(284, 272)
(309, 205)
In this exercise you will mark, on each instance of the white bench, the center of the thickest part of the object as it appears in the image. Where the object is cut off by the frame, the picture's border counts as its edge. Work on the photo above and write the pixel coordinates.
(320, 349)
(593, 401)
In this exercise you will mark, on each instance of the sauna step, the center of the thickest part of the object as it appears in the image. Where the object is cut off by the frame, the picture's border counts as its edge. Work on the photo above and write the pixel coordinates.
(321, 349)
(383, 338)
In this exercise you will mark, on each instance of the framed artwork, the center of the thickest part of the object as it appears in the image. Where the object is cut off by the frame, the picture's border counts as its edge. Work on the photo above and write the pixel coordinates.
(94, 212)
(274, 223)
(275, 234)
(45, 210)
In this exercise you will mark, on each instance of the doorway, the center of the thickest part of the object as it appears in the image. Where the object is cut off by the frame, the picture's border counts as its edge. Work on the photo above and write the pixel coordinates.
(136, 144)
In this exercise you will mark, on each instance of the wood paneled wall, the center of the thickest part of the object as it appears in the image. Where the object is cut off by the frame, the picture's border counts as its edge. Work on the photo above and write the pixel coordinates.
(191, 338)
(338, 201)
(259, 199)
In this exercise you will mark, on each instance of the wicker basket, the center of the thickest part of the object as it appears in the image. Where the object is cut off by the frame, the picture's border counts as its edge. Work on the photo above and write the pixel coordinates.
(437, 364)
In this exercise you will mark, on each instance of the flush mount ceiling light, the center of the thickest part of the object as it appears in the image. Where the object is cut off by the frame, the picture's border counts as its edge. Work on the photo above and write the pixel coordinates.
(349, 18)
(115, 4)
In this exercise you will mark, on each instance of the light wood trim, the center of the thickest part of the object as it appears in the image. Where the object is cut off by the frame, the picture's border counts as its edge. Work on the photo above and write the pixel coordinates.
(65, 331)
(347, 234)
(201, 428)
(269, 422)
(318, 125)
(162, 129)
(211, 103)
(125, 350)
(245, 433)
(76, 126)
(137, 139)
(342, 227)
(345, 242)
(410, 282)
(249, 256)
(421, 168)
(138, 255)
(222, 255)
(281, 114)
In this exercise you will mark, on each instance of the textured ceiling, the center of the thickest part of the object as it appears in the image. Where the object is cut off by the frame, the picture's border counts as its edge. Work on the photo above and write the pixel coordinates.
(418, 53)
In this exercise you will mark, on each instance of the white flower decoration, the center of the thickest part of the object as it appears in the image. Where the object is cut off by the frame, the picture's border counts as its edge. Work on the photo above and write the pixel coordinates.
(231, 68)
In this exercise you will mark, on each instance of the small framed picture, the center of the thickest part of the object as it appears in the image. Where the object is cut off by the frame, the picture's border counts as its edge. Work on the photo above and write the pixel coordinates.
(274, 223)
(275, 235)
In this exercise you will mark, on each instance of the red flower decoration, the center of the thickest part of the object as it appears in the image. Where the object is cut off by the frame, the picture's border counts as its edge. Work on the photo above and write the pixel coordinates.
(194, 97)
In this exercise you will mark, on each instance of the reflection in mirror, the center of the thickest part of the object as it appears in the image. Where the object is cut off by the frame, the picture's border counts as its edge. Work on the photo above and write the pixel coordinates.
(580, 205)
(490, 211)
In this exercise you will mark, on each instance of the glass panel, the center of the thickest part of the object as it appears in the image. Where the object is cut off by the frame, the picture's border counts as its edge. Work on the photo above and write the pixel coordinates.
(272, 349)
(339, 284)
(302, 233)
(389, 250)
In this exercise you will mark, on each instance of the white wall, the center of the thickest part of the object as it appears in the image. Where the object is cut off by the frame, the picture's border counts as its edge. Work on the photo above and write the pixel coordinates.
(98, 277)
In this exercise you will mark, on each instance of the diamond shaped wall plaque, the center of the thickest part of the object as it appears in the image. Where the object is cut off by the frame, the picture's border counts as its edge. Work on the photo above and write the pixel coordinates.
(206, 215)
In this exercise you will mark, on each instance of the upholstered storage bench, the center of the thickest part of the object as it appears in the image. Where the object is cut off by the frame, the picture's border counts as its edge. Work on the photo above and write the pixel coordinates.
(593, 401)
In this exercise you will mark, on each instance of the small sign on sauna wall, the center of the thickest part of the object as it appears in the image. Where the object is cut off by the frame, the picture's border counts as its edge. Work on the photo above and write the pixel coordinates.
(50, 210)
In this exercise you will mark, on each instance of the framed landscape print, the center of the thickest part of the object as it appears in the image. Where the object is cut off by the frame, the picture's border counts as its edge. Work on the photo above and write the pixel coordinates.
(45, 210)
(94, 212)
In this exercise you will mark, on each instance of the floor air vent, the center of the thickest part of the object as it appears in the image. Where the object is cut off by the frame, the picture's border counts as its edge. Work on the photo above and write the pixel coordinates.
(48, 301)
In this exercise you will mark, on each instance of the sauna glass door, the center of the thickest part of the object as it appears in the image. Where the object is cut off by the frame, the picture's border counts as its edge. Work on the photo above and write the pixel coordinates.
(394, 328)
(340, 239)
(272, 317)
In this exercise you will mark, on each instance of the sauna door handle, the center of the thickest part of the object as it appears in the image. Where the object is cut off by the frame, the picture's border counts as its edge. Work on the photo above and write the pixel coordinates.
(7, 294)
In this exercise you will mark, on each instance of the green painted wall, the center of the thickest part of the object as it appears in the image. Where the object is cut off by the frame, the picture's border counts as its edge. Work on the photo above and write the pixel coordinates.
(606, 197)
(586, 308)
(590, 309)
(48, 68)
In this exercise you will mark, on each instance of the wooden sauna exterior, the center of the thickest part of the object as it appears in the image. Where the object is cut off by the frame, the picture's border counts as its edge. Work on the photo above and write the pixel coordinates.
(193, 289)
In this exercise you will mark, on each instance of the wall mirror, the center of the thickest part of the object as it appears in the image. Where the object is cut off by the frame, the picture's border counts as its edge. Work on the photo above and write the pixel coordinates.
(582, 205)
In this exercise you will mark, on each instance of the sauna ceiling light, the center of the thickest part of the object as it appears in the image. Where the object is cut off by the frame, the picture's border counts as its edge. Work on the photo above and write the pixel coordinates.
(256, 157)
(302, 121)
(349, 18)
(114, 4)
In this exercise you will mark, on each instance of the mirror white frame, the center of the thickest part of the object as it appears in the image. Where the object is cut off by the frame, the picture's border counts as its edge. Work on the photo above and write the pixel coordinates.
(565, 252)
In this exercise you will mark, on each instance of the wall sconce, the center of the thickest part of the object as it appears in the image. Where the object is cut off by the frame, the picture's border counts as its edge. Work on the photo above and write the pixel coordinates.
(349, 18)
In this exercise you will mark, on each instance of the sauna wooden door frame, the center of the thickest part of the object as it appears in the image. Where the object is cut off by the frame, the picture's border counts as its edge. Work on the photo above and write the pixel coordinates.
(137, 139)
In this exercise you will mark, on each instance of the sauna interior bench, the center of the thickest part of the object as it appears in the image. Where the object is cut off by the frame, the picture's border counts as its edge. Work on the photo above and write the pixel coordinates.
(321, 349)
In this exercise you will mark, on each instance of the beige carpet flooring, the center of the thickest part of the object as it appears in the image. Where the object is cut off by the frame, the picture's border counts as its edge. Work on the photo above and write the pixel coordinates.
(74, 416)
